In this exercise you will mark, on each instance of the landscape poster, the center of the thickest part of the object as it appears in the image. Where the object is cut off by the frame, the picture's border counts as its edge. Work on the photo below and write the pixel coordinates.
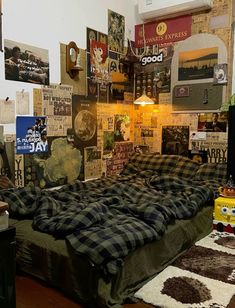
(197, 64)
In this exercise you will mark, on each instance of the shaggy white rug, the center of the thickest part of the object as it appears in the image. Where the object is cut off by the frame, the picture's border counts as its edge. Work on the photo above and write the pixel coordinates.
(204, 276)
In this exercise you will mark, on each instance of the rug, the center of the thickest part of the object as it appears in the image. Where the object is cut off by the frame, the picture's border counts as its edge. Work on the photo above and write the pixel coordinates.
(204, 276)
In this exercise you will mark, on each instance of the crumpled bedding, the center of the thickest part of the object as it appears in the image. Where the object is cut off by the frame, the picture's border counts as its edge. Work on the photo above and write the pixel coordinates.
(107, 218)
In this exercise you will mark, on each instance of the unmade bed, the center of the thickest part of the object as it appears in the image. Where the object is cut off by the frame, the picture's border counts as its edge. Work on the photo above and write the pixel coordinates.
(101, 240)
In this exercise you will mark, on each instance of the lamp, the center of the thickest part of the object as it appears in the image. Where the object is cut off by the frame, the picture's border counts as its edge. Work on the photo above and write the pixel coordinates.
(144, 100)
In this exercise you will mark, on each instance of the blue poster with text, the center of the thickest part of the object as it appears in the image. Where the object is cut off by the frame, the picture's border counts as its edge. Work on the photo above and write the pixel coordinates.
(31, 135)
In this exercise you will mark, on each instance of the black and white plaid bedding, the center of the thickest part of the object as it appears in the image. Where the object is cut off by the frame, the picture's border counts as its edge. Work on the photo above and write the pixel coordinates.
(106, 219)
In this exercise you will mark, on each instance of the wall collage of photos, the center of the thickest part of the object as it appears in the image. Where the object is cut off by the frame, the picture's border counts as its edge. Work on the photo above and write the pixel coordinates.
(90, 132)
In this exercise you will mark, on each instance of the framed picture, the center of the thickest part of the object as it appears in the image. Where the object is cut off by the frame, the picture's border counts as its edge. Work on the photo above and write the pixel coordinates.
(220, 73)
(198, 155)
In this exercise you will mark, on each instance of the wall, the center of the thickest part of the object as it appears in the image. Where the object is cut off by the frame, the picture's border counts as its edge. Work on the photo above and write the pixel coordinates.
(54, 29)
(217, 22)
(46, 24)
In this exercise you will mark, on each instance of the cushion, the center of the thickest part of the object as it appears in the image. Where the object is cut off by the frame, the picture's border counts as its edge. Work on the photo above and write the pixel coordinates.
(221, 171)
(207, 171)
(160, 163)
(186, 168)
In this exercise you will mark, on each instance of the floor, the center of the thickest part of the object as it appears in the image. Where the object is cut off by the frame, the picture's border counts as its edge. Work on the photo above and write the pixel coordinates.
(30, 293)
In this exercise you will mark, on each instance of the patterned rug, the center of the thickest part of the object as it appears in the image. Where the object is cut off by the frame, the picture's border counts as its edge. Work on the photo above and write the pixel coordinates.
(204, 276)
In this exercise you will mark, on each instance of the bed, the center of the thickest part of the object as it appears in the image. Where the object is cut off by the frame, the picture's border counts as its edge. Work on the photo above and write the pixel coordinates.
(101, 240)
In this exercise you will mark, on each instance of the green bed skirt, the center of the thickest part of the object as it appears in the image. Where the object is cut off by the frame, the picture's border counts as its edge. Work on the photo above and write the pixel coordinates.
(51, 260)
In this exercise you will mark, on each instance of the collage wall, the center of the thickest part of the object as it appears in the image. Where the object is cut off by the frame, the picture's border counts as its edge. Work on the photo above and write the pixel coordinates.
(87, 126)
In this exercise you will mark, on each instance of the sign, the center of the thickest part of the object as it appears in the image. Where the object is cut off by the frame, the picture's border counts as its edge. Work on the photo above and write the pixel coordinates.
(163, 32)
(152, 59)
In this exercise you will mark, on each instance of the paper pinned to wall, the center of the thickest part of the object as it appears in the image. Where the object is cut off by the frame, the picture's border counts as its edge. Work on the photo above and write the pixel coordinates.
(198, 135)
(7, 111)
(22, 103)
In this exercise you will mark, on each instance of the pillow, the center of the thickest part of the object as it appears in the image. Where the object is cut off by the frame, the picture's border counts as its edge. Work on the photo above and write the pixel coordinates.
(207, 171)
(221, 171)
(129, 168)
(186, 168)
(156, 162)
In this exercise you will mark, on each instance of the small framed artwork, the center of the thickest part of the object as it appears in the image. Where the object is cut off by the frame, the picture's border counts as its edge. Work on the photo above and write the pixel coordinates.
(220, 73)
(181, 91)
(198, 155)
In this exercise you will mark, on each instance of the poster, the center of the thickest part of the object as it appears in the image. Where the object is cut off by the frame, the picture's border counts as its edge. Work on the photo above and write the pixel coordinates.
(93, 163)
(84, 121)
(60, 165)
(212, 122)
(216, 145)
(57, 106)
(163, 32)
(175, 140)
(122, 128)
(120, 157)
(116, 31)
(99, 62)
(26, 63)
(108, 143)
(96, 36)
(19, 170)
(31, 135)
(197, 64)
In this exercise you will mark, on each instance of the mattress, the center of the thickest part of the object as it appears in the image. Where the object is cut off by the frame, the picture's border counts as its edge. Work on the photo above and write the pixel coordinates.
(52, 260)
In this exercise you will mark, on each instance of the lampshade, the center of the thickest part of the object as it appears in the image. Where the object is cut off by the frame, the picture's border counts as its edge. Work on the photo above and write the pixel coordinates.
(144, 100)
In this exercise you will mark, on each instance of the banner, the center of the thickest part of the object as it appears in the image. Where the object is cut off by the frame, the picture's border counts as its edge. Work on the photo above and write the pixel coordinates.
(163, 32)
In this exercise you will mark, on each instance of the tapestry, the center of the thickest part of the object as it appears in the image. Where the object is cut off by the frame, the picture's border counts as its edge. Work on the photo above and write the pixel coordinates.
(204, 276)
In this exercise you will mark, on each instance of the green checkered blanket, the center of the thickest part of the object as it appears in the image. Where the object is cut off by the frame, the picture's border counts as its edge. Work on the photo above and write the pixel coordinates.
(108, 218)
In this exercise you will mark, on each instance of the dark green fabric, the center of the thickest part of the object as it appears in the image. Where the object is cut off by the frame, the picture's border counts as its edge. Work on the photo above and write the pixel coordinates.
(44, 257)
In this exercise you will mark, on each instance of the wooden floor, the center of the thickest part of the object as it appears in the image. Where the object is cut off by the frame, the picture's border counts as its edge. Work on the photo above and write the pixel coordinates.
(30, 293)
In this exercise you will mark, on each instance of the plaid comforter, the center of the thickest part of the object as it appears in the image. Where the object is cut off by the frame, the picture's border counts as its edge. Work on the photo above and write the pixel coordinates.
(106, 219)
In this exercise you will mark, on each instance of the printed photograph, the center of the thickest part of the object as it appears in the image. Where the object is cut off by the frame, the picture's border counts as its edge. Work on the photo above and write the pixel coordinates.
(220, 73)
(26, 63)
(212, 122)
(197, 64)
